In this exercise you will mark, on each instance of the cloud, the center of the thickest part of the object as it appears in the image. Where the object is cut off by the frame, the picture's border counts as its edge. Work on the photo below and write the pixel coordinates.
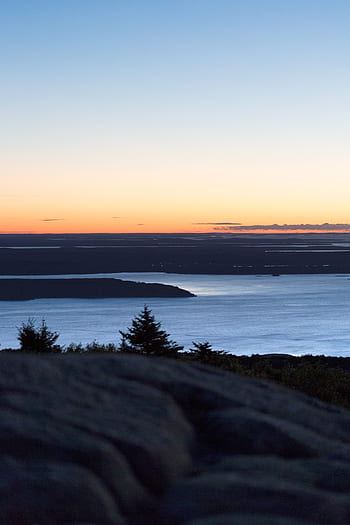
(217, 223)
(116, 217)
(325, 227)
(141, 224)
(51, 220)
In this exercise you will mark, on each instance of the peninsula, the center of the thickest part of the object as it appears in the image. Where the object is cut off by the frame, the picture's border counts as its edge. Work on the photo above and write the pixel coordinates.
(26, 289)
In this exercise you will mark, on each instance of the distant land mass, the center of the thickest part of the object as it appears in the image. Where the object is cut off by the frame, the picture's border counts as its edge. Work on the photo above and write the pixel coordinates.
(25, 289)
(189, 253)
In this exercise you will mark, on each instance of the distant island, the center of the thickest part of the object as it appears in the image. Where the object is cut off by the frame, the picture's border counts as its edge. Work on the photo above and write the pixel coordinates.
(26, 289)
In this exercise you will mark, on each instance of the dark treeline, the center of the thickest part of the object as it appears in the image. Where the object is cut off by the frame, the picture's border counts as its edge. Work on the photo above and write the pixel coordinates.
(324, 377)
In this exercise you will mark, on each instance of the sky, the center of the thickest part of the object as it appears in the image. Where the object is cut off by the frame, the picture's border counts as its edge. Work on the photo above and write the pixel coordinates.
(179, 116)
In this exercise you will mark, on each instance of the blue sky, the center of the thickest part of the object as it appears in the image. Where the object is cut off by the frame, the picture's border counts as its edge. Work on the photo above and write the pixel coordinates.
(240, 104)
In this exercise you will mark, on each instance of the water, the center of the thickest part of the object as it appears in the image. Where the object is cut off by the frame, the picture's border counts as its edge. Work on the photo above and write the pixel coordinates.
(297, 314)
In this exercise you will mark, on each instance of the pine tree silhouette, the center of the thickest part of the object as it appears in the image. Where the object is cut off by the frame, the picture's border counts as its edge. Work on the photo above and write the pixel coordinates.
(146, 337)
(33, 339)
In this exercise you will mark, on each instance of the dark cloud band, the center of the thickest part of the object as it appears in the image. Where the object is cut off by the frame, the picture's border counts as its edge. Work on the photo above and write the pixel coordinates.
(288, 227)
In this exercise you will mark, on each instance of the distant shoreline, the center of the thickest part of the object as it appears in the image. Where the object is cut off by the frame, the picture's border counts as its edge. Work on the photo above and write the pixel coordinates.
(199, 254)
(27, 289)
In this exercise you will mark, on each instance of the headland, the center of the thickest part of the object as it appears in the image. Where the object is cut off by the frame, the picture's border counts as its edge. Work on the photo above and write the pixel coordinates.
(25, 289)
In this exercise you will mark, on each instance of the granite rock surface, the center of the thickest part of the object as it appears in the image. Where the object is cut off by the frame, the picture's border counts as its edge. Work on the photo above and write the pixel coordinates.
(131, 440)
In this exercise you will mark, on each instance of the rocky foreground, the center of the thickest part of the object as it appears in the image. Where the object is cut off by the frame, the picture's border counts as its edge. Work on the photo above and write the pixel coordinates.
(126, 439)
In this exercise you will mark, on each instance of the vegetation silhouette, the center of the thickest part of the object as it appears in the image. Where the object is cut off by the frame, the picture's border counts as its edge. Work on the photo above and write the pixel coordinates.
(94, 347)
(145, 336)
(37, 339)
(323, 377)
(203, 351)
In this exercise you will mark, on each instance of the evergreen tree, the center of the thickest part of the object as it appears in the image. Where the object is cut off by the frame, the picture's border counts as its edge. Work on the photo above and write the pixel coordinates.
(34, 339)
(205, 353)
(145, 336)
(202, 350)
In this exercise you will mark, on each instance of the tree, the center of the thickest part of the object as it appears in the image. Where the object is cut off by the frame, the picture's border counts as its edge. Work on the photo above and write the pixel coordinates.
(204, 352)
(145, 336)
(33, 339)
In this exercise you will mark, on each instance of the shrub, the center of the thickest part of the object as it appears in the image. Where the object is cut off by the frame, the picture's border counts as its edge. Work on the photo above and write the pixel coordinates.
(74, 348)
(100, 347)
(94, 347)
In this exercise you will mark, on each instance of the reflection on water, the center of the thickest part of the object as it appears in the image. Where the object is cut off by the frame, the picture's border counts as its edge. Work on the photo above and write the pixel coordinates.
(296, 314)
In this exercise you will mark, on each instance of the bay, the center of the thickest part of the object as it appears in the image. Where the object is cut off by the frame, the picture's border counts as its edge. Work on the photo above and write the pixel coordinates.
(296, 314)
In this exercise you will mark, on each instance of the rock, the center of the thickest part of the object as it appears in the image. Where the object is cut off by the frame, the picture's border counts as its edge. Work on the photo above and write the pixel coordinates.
(323, 473)
(229, 492)
(248, 519)
(132, 440)
(38, 492)
(245, 431)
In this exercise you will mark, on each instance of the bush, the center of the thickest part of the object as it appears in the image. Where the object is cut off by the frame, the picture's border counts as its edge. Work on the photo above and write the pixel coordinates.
(74, 348)
(94, 347)
(100, 347)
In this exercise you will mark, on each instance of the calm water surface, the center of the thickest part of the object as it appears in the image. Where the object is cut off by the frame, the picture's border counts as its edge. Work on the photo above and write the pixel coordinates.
(296, 314)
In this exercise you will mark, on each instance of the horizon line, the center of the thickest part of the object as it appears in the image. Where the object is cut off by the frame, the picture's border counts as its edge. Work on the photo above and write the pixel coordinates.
(213, 232)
